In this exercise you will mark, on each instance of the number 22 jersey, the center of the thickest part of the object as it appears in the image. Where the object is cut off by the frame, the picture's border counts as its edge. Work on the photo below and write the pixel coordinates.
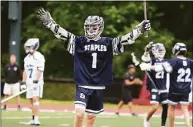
(181, 76)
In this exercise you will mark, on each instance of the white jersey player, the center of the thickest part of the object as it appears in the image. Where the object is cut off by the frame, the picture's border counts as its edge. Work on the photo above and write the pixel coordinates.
(34, 64)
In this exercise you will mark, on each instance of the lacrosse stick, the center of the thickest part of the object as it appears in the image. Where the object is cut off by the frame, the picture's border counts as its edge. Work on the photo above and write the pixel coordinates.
(137, 62)
(145, 14)
(21, 92)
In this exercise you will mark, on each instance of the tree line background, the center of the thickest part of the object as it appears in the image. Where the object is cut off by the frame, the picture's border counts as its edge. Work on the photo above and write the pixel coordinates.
(171, 22)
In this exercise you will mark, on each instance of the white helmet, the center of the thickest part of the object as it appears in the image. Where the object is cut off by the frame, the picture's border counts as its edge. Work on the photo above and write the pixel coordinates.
(93, 27)
(31, 45)
(158, 50)
(179, 48)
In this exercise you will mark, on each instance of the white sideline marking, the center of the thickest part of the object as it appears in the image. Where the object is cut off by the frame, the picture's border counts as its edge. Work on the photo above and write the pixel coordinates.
(64, 125)
(108, 114)
(50, 117)
(42, 117)
(180, 123)
(24, 123)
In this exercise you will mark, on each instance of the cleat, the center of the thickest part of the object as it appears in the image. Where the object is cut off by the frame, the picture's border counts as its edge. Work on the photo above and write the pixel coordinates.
(36, 123)
(5, 107)
(146, 123)
(133, 114)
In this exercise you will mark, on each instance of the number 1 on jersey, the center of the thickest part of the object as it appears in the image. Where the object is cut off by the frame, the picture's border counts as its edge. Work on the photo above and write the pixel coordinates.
(94, 60)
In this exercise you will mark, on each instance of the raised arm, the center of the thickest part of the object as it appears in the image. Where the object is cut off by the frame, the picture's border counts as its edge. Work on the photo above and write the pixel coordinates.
(138, 30)
(59, 32)
(146, 55)
(119, 42)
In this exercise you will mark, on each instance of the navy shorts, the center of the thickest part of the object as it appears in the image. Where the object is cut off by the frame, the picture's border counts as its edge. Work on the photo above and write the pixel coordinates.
(91, 99)
(127, 96)
(175, 99)
(159, 98)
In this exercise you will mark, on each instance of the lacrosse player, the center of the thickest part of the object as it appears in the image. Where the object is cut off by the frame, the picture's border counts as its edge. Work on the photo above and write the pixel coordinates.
(161, 82)
(93, 56)
(181, 73)
(34, 64)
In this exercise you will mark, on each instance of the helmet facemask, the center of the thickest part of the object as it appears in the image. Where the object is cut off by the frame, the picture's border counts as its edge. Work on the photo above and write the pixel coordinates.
(93, 27)
(159, 51)
(29, 49)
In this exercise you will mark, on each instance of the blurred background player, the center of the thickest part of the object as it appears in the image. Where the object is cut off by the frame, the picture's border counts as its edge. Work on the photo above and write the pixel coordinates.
(34, 64)
(181, 74)
(161, 82)
(128, 82)
(93, 56)
(12, 75)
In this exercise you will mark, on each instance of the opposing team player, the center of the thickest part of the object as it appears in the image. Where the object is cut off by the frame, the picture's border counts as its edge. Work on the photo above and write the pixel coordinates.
(158, 89)
(181, 74)
(93, 56)
(34, 64)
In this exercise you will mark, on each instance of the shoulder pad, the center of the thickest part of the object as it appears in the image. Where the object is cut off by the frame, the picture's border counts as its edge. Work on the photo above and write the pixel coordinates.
(38, 56)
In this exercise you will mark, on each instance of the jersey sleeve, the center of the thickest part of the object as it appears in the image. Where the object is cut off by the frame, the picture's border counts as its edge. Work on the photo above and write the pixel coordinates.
(25, 63)
(70, 45)
(117, 47)
(67, 37)
(166, 66)
(41, 63)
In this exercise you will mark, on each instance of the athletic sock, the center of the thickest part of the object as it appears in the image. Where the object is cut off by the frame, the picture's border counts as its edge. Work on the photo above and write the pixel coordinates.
(5, 107)
(36, 118)
(164, 114)
(19, 107)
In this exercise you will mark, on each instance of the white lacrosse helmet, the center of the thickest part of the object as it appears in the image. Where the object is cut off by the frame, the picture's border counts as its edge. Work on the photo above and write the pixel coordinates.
(179, 48)
(93, 27)
(158, 50)
(31, 45)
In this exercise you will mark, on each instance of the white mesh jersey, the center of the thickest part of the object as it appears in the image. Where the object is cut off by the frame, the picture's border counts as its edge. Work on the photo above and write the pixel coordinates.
(32, 63)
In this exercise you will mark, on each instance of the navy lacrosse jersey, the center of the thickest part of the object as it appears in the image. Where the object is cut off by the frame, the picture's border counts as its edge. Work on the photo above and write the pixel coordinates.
(159, 78)
(93, 59)
(181, 76)
(129, 77)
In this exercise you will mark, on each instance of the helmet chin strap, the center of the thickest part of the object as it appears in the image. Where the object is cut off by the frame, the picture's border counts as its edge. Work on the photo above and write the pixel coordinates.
(95, 38)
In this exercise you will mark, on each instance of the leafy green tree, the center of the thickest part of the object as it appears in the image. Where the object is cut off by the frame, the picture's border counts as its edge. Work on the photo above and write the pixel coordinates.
(120, 18)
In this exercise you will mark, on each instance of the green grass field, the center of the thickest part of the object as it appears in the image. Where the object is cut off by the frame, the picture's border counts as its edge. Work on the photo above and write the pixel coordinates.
(58, 119)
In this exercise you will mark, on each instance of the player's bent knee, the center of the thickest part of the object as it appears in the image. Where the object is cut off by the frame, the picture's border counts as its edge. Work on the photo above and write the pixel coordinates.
(35, 99)
(91, 119)
(79, 116)
(155, 106)
(36, 103)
